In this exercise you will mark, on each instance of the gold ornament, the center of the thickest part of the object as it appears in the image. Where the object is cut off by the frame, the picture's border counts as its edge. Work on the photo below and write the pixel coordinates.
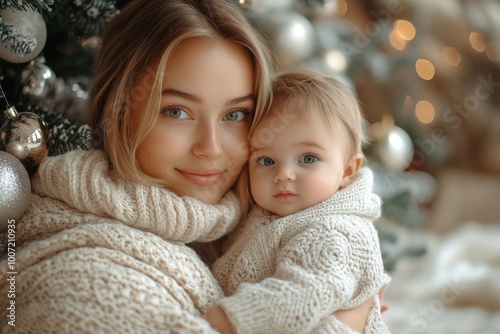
(25, 136)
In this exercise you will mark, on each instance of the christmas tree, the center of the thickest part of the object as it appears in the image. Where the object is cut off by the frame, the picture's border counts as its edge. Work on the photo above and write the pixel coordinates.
(406, 69)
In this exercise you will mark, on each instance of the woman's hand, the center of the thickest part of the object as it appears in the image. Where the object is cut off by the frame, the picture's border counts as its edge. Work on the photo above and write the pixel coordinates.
(217, 318)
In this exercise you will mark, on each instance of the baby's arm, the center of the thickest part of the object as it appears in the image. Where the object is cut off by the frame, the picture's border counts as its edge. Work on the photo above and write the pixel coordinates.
(355, 318)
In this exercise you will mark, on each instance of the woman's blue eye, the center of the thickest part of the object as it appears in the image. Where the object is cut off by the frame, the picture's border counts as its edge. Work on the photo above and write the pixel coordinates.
(238, 115)
(265, 161)
(308, 159)
(175, 112)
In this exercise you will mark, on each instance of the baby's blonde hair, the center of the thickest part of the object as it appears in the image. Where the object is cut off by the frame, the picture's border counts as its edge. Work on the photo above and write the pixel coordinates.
(134, 53)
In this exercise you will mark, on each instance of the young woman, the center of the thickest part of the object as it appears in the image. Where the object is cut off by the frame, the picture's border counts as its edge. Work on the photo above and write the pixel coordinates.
(101, 247)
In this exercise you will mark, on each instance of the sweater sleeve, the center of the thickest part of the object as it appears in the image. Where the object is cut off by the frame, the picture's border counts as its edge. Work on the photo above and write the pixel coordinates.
(109, 278)
(83, 180)
(313, 278)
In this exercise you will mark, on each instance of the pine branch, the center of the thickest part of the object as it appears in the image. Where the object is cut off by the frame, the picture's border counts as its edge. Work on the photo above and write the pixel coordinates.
(84, 18)
(42, 6)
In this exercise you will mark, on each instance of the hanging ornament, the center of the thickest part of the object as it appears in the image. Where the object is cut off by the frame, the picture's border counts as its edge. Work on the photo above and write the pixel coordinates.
(40, 86)
(25, 136)
(391, 146)
(15, 189)
(290, 36)
(38, 83)
(26, 37)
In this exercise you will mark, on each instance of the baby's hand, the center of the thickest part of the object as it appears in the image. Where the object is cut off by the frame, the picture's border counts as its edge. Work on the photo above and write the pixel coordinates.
(217, 318)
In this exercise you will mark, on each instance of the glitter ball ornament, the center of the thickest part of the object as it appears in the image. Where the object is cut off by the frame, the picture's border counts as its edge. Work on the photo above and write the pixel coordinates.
(25, 136)
(15, 189)
(27, 38)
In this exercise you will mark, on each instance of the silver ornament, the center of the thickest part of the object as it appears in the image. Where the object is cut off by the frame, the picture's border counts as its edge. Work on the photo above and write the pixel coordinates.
(25, 136)
(15, 189)
(38, 83)
(290, 35)
(29, 23)
(391, 146)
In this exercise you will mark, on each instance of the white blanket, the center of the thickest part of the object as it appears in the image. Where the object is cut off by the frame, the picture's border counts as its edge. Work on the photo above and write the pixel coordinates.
(454, 288)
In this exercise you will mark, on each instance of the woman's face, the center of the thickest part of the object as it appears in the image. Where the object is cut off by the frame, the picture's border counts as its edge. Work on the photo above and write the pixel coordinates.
(198, 144)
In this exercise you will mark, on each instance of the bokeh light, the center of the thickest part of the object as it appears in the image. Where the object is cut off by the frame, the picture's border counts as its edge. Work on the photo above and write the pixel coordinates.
(425, 69)
(476, 40)
(396, 41)
(425, 112)
(452, 56)
(405, 29)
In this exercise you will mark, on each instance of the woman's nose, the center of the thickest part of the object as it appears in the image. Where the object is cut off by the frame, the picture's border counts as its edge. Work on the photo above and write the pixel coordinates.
(284, 173)
(208, 145)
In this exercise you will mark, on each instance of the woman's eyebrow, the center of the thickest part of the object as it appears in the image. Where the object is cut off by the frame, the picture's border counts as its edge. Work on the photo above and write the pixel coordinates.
(199, 99)
(237, 100)
(183, 95)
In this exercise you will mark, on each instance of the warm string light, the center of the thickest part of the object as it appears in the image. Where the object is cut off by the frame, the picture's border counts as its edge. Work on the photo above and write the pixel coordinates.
(425, 69)
(403, 32)
(425, 111)
(451, 56)
(341, 8)
(477, 42)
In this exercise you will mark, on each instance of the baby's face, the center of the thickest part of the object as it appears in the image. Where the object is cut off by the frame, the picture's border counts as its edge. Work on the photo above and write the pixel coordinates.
(295, 161)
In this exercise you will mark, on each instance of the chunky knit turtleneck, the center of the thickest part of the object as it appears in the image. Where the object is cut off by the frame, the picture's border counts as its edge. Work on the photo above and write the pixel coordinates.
(290, 274)
(97, 253)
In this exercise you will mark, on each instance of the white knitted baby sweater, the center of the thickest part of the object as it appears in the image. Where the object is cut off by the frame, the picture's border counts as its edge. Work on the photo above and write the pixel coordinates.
(290, 274)
(96, 253)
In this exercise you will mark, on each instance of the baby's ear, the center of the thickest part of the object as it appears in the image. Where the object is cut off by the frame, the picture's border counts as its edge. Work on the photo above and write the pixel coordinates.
(351, 170)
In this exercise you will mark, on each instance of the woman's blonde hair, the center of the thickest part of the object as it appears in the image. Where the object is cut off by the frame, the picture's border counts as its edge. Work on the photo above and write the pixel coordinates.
(317, 95)
(134, 53)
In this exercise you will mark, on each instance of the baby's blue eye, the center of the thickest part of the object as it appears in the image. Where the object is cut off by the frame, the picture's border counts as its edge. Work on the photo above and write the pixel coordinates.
(238, 115)
(176, 112)
(265, 161)
(308, 159)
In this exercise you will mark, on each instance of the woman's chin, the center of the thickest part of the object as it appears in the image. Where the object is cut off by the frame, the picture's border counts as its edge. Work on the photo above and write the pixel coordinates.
(207, 195)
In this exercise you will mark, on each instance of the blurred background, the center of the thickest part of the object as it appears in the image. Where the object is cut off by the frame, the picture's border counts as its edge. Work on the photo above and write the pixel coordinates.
(427, 74)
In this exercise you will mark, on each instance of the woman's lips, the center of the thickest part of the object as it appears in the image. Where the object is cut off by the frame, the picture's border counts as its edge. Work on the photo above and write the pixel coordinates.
(207, 177)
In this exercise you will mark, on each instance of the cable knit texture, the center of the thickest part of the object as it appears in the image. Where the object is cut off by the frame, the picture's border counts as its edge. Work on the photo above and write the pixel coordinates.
(96, 253)
(290, 274)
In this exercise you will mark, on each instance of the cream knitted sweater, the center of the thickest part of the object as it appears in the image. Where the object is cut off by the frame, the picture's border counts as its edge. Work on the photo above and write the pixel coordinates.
(96, 253)
(290, 274)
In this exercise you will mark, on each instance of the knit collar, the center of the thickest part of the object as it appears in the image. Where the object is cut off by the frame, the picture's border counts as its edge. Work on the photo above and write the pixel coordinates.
(84, 181)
